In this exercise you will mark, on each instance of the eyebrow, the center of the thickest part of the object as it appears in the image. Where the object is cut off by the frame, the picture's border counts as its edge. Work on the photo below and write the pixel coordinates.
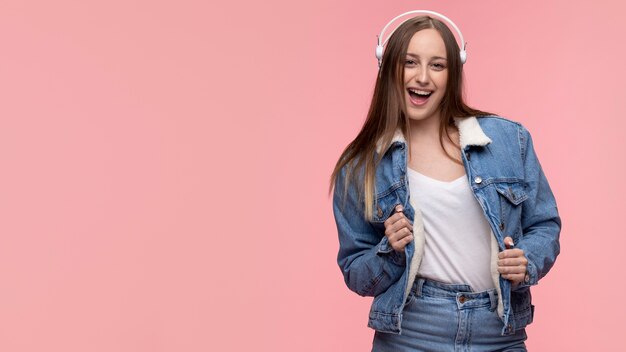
(434, 57)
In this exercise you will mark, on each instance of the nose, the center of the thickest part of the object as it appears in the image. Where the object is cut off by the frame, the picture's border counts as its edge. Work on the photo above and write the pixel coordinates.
(421, 76)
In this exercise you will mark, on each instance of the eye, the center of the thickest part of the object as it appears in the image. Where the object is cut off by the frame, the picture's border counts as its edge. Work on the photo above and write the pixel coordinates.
(438, 66)
(409, 62)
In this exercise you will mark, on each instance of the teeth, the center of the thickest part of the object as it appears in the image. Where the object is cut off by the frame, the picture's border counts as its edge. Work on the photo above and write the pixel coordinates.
(419, 92)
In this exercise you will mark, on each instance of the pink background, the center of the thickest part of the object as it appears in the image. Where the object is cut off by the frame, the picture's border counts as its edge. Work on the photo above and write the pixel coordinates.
(165, 166)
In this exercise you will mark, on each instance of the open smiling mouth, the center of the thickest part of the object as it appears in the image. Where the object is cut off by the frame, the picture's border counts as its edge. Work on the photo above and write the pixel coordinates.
(418, 96)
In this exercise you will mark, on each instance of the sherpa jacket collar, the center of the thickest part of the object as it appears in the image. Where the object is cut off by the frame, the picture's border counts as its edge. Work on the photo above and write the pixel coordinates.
(470, 133)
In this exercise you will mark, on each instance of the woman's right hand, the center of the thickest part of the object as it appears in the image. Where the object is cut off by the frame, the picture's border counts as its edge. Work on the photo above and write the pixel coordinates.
(398, 230)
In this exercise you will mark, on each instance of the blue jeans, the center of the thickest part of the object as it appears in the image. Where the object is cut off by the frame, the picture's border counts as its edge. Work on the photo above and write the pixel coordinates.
(446, 317)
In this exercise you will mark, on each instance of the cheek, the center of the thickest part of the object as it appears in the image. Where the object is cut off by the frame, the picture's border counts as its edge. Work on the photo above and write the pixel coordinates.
(442, 80)
(407, 76)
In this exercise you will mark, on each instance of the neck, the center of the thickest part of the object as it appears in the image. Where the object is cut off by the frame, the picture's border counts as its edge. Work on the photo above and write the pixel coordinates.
(425, 129)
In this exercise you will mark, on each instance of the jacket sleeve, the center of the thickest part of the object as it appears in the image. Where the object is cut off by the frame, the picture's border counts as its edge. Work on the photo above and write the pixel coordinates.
(368, 263)
(541, 224)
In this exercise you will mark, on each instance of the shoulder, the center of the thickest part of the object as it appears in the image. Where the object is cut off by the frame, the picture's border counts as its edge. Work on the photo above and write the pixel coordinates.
(497, 121)
(494, 126)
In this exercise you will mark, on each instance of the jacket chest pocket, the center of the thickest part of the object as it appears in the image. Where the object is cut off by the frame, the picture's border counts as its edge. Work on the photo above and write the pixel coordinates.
(511, 196)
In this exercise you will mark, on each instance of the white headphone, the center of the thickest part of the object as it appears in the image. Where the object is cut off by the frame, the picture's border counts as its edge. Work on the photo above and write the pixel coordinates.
(379, 47)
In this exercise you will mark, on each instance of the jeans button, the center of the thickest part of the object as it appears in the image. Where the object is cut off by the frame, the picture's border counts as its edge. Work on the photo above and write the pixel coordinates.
(462, 299)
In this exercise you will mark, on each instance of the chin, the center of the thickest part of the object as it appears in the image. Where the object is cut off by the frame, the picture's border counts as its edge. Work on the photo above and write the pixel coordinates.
(422, 115)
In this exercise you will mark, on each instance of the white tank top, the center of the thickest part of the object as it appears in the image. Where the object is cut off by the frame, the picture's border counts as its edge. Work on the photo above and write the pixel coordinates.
(458, 247)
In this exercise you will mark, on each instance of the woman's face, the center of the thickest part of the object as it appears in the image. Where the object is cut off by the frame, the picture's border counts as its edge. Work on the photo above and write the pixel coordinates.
(425, 74)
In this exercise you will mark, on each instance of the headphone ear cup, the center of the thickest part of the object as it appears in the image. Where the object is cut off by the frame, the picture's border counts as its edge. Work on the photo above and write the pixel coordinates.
(463, 56)
(379, 52)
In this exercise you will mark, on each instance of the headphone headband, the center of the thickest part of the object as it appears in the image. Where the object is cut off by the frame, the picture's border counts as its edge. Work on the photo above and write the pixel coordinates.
(379, 47)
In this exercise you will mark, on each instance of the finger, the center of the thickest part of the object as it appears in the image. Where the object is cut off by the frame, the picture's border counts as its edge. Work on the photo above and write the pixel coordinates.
(512, 270)
(513, 262)
(393, 219)
(406, 240)
(394, 227)
(398, 222)
(519, 277)
(399, 245)
(399, 235)
(511, 253)
(508, 242)
(402, 223)
(514, 278)
(397, 211)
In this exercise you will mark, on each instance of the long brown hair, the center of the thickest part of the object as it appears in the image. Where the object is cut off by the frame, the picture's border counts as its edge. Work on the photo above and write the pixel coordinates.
(387, 109)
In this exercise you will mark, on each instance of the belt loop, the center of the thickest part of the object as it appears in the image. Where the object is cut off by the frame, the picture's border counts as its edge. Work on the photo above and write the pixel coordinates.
(493, 298)
(418, 289)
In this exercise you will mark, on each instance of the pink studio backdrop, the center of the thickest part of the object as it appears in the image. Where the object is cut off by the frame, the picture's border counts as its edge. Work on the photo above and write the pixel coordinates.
(165, 166)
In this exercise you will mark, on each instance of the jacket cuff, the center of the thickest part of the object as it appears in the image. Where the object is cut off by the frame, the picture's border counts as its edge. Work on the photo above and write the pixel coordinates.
(530, 279)
(385, 249)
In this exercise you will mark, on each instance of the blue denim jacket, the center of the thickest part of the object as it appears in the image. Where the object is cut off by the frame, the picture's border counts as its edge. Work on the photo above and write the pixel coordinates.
(510, 186)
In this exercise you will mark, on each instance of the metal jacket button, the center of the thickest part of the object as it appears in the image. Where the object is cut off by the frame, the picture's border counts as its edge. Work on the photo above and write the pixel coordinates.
(478, 179)
(462, 299)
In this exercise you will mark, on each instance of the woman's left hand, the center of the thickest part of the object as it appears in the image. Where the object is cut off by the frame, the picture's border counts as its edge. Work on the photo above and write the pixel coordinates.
(512, 263)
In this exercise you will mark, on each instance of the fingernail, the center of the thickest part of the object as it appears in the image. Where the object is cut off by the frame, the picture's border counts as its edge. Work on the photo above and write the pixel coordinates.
(399, 207)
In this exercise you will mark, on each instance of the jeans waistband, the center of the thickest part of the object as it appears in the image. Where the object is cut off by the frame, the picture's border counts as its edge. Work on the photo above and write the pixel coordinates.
(461, 293)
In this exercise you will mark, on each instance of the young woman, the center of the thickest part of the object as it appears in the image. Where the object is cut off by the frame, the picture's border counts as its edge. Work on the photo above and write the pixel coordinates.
(443, 212)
